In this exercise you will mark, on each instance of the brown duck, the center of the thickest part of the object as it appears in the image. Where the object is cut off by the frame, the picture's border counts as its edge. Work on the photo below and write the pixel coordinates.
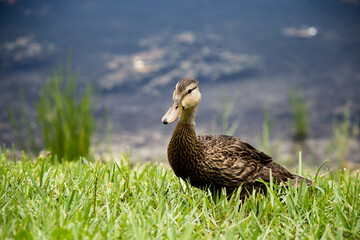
(219, 161)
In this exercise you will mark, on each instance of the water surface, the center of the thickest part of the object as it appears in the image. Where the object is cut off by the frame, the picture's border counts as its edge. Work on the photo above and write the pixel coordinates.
(135, 52)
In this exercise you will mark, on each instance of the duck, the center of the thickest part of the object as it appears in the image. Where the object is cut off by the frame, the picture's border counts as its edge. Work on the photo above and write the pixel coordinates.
(219, 161)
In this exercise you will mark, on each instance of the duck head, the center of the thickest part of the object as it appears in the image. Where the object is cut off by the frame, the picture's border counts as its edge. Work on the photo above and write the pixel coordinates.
(186, 96)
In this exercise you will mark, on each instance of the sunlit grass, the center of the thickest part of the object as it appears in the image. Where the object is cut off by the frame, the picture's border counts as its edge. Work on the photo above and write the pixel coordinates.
(108, 200)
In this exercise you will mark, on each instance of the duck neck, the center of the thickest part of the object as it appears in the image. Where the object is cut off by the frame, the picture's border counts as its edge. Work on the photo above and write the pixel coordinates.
(187, 116)
(184, 133)
(184, 151)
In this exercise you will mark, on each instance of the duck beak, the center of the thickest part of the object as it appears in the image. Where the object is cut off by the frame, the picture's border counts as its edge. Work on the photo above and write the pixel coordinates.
(173, 113)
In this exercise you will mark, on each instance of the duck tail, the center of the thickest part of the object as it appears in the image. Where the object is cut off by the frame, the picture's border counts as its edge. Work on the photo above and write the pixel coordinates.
(296, 180)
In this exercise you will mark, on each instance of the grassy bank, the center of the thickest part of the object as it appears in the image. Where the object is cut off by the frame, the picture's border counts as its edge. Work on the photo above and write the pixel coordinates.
(84, 200)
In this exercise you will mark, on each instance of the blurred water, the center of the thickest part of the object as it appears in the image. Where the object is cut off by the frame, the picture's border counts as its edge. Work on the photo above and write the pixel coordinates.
(136, 51)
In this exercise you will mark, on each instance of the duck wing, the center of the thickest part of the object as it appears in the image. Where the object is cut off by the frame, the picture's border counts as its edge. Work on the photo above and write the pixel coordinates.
(233, 162)
(228, 150)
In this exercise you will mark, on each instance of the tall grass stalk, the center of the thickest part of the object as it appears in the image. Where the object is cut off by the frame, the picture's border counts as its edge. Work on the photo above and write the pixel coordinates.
(64, 120)
(65, 115)
(341, 139)
(23, 126)
(224, 113)
(300, 114)
(300, 164)
(267, 127)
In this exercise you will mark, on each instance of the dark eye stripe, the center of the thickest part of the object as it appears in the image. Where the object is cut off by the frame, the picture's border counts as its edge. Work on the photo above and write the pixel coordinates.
(190, 90)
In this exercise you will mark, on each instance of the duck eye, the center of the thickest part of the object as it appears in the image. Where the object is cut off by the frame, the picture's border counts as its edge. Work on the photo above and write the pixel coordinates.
(189, 91)
(177, 107)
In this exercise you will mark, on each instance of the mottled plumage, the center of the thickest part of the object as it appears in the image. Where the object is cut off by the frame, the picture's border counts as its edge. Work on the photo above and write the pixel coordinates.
(219, 161)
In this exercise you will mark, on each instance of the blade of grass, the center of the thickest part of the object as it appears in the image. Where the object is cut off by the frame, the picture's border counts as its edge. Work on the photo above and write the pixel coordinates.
(35, 184)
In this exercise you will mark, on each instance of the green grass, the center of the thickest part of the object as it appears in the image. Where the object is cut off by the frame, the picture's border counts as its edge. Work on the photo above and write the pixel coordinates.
(108, 200)
(65, 121)
(299, 112)
(22, 124)
(343, 132)
(341, 140)
(224, 113)
(267, 128)
(65, 116)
